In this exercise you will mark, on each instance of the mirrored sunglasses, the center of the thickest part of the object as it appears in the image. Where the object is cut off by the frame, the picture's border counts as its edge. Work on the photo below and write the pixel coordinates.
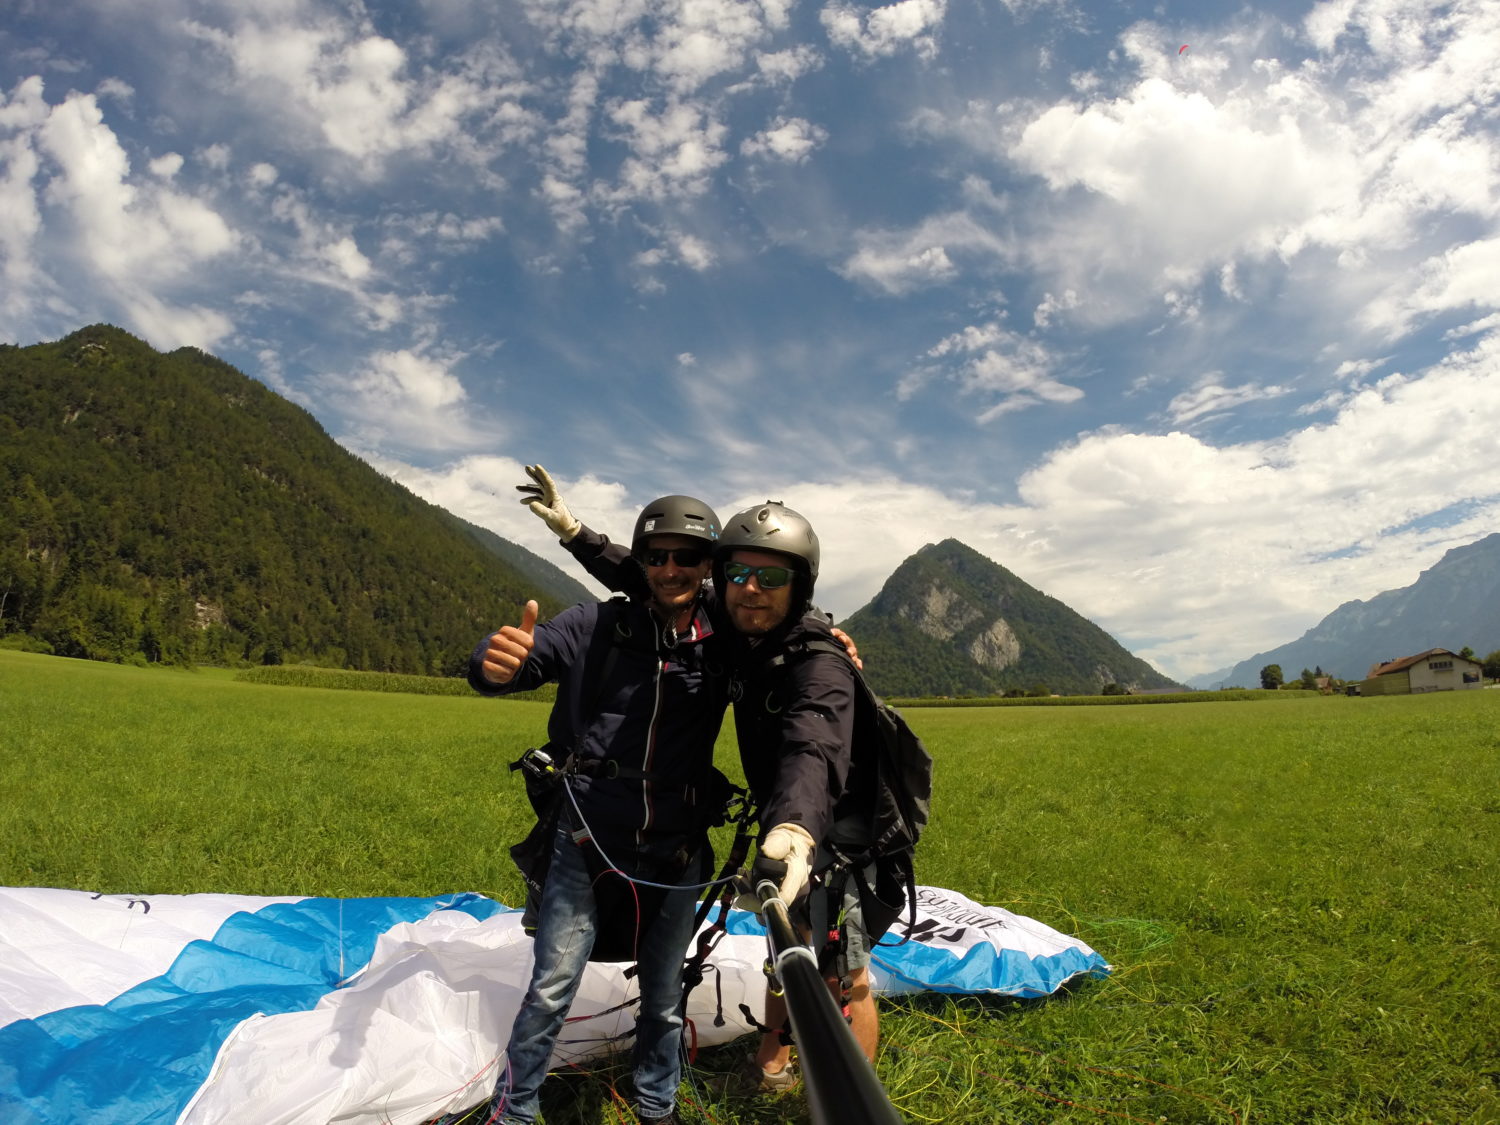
(766, 577)
(684, 557)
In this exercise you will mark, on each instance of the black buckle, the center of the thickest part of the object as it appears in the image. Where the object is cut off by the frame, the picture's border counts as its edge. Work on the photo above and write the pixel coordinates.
(737, 809)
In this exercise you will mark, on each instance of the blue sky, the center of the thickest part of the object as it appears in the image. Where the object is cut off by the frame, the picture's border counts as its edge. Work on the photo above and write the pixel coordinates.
(1204, 343)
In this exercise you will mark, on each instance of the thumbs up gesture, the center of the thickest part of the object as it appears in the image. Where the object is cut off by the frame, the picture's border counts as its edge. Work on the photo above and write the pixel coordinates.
(509, 648)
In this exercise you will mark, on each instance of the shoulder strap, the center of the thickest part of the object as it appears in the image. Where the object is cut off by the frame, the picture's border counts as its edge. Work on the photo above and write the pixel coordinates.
(611, 625)
(794, 649)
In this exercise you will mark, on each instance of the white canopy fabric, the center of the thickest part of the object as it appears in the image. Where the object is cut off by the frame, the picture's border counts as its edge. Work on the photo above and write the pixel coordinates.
(189, 1008)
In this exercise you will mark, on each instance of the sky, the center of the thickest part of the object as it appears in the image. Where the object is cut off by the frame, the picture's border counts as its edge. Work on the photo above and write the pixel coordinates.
(1186, 313)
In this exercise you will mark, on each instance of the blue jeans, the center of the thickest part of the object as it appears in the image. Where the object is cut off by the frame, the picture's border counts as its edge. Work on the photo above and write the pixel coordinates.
(564, 938)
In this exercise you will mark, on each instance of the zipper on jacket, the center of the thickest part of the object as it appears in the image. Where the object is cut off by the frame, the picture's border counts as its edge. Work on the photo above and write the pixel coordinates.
(651, 733)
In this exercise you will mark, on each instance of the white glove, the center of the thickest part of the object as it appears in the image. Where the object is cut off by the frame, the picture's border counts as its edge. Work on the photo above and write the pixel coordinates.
(543, 498)
(790, 844)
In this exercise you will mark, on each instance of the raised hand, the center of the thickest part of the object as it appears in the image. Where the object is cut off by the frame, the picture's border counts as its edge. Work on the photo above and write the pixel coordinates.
(509, 648)
(542, 497)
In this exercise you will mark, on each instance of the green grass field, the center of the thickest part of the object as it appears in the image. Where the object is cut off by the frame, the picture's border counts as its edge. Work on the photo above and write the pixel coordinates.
(1300, 898)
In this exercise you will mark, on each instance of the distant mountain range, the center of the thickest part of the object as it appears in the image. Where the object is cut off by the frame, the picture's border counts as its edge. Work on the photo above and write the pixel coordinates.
(1453, 604)
(952, 622)
(169, 508)
(166, 507)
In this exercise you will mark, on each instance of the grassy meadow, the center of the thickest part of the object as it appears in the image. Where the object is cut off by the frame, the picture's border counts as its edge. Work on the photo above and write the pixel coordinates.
(1300, 897)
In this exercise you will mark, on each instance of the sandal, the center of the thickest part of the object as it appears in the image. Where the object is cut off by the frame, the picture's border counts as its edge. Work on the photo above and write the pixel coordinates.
(754, 1080)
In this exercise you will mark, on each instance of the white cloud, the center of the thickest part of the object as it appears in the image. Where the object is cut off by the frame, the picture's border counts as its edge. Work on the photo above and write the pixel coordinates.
(677, 248)
(20, 216)
(1358, 368)
(324, 253)
(410, 239)
(1210, 398)
(694, 253)
(345, 257)
(1212, 168)
(789, 65)
(166, 166)
(407, 398)
(1052, 305)
(991, 362)
(673, 152)
(1474, 328)
(885, 31)
(789, 139)
(338, 84)
(1465, 277)
(897, 264)
(114, 88)
(405, 380)
(565, 201)
(656, 79)
(133, 242)
(1179, 182)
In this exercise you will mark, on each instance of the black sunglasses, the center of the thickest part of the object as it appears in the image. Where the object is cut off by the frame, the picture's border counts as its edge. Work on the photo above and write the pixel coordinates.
(767, 577)
(685, 557)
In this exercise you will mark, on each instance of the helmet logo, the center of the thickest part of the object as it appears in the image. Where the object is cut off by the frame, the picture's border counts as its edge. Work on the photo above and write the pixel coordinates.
(649, 525)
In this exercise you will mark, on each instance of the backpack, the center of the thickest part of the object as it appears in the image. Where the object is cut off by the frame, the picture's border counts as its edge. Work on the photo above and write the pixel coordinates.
(892, 770)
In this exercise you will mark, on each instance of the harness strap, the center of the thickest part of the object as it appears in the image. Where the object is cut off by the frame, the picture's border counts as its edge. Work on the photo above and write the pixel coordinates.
(610, 768)
(692, 970)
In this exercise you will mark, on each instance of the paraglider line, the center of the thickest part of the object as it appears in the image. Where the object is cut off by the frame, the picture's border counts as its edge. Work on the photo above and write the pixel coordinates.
(568, 789)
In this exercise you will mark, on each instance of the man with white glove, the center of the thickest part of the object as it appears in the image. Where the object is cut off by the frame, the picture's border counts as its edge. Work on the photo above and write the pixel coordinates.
(546, 502)
(794, 717)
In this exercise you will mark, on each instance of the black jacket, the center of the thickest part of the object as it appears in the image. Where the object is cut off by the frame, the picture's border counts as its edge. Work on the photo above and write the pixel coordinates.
(793, 710)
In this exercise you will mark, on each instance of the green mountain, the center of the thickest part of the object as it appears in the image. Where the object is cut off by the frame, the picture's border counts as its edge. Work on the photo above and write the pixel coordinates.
(168, 508)
(951, 622)
(538, 573)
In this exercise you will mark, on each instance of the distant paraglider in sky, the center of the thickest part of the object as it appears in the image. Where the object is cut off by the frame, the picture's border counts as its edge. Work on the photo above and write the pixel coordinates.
(1183, 49)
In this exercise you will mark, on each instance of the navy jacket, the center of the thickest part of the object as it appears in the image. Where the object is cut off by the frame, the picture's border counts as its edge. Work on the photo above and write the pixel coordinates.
(629, 695)
(793, 711)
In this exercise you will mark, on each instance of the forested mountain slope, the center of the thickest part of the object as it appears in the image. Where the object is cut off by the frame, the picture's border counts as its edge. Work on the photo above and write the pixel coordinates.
(166, 507)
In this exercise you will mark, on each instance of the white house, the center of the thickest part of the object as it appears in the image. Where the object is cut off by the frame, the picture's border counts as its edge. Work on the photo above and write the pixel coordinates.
(1437, 669)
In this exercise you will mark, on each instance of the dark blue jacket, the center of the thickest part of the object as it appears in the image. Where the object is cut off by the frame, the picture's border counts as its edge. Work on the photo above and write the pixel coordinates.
(793, 712)
(630, 696)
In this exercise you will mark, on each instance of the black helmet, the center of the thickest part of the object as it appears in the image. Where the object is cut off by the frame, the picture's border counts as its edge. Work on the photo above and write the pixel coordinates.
(773, 526)
(676, 515)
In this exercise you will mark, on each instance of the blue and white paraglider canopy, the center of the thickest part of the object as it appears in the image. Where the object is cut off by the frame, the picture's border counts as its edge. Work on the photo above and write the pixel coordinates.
(188, 1008)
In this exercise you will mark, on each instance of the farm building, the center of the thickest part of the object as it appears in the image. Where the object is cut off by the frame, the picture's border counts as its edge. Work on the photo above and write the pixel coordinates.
(1437, 669)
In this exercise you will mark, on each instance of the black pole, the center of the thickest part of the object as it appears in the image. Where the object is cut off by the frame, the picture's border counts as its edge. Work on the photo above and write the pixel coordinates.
(841, 1083)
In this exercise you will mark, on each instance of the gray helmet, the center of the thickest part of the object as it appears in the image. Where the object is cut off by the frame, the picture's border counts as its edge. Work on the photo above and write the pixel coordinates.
(676, 515)
(773, 526)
